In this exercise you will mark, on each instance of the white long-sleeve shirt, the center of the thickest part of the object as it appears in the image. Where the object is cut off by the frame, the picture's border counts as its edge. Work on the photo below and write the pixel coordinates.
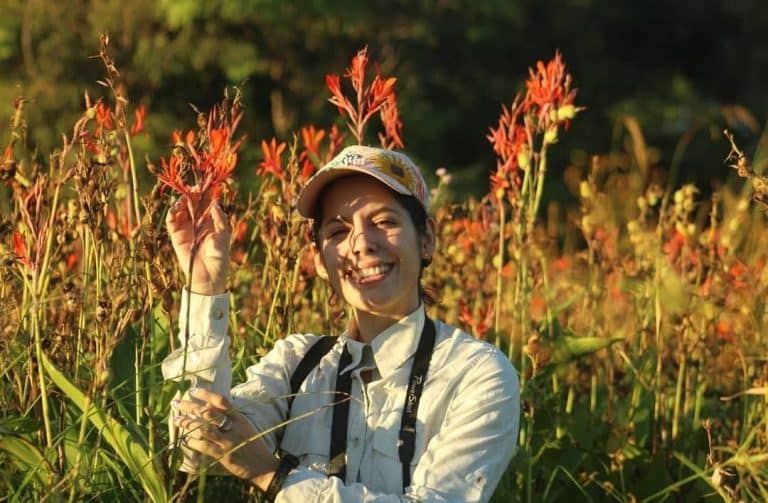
(467, 423)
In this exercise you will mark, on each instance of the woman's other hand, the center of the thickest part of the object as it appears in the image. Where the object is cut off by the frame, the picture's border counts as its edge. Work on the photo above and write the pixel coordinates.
(211, 262)
(212, 427)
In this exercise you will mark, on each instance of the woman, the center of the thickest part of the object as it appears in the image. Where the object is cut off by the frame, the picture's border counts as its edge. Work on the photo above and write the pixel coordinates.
(399, 407)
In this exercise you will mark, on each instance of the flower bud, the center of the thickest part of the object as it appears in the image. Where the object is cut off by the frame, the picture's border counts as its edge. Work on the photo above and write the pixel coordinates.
(585, 191)
(551, 135)
(566, 112)
(523, 159)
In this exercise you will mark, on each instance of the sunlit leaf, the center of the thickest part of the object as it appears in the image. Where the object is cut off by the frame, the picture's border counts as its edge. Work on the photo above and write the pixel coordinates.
(131, 450)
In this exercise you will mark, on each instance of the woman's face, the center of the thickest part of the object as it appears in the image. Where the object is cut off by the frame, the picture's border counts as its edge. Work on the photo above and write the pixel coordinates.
(369, 248)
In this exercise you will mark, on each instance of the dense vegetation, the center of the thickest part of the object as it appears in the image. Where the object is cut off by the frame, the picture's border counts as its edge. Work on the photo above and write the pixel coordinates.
(636, 316)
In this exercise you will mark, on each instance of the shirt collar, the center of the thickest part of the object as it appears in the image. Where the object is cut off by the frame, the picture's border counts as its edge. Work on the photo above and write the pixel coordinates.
(392, 347)
(395, 345)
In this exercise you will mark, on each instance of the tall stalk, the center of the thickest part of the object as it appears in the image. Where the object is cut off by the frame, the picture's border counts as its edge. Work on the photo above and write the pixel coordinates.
(499, 269)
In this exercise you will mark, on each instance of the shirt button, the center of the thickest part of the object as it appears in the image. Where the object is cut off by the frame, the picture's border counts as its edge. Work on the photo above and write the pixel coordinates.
(356, 441)
(218, 314)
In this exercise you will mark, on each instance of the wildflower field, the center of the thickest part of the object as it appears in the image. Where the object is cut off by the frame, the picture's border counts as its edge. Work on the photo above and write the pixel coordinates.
(636, 318)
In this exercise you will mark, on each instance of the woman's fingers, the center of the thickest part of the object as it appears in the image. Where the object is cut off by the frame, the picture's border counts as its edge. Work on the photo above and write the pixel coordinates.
(219, 219)
(215, 399)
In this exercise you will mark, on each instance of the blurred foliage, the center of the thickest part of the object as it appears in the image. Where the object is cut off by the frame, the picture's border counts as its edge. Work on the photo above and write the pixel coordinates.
(670, 65)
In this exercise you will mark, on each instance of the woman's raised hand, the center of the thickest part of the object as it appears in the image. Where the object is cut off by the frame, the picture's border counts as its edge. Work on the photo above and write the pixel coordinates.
(212, 233)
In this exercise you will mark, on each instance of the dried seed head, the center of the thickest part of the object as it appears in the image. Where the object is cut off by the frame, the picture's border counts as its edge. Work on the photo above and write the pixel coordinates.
(103, 310)
(5, 229)
(8, 171)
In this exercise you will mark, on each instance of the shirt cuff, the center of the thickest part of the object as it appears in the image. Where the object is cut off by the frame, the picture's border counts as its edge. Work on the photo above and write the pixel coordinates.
(205, 354)
(302, 484)
(208, 314)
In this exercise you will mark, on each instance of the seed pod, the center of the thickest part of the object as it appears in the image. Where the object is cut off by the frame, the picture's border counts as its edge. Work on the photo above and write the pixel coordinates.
(103, 310)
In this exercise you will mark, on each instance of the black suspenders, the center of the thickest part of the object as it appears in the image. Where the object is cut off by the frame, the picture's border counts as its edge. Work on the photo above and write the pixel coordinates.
(407, 437)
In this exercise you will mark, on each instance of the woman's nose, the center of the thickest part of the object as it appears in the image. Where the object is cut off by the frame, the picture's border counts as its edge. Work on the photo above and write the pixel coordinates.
(361, 241)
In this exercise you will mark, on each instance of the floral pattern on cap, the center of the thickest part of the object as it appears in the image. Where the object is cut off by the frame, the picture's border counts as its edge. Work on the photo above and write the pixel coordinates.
(394, 169)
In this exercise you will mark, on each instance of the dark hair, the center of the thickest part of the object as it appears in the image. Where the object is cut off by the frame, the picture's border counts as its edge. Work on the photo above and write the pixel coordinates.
(415, 211)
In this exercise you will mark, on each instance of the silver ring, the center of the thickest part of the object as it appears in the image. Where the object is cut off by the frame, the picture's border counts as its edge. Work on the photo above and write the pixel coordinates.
(225, 425)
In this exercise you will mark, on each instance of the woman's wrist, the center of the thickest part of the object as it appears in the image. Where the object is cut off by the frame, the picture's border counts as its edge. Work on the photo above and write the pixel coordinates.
(263, 479)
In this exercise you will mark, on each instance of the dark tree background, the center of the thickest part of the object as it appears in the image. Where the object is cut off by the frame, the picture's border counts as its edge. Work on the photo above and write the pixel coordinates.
(682, 70)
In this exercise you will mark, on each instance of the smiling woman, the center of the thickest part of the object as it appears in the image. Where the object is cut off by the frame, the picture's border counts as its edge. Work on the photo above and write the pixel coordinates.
(399, 407)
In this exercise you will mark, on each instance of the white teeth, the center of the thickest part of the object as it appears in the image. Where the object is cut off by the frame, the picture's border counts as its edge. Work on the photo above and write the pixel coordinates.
(373, 271)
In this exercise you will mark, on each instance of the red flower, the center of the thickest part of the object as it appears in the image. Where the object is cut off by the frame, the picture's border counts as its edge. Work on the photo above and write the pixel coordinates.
(103, 118)
(550, 93)
(310, 156)
(140, 114)
(205, 166)
(390, 117)
(368, 100)
(738, 274)
(479, 327)
(335, 141)
(510, 143)
(337, 97)
(20, 250)
(272, 162)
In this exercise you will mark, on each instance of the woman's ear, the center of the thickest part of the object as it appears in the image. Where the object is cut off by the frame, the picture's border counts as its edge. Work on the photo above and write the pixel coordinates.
(319, 265)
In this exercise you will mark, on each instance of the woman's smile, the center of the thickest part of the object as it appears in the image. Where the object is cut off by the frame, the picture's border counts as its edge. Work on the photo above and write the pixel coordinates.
(369, 274)
(370, 248)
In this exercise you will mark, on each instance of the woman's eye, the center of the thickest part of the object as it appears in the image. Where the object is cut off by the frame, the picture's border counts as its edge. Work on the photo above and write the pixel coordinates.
(334, 233)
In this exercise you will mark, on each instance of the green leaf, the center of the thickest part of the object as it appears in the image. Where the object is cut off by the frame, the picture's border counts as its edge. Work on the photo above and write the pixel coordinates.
(131, 449)
(18, 425)
(568, 347)
(27, 457)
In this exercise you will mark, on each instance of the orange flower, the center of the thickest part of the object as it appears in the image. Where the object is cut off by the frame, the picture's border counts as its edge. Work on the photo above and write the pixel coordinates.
(393, 126)
(549, 91)
(140, 114)
(724, 332)
(205, 165)
(561, 264)
(104, 118)
(510, 143)
(478, 326)
(72, 260)
(335, 141)
(311, 137)
(20, 250)
(738, 274)
(272, 162)
(377, 97)
(172, 176)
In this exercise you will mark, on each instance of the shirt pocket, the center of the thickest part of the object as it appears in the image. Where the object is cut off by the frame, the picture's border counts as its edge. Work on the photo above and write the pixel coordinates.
(310, 445)
(388, 470)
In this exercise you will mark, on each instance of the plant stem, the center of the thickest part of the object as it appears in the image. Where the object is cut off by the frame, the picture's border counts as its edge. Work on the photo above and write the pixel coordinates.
(499, 269)
(678, 397)
(40, 373)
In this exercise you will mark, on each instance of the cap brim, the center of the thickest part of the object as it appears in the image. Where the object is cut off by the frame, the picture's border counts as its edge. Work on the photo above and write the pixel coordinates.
(311, 191)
